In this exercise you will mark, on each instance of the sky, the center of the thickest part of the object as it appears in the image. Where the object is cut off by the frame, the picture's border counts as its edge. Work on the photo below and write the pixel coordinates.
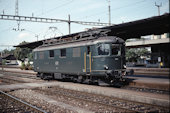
(79, 10)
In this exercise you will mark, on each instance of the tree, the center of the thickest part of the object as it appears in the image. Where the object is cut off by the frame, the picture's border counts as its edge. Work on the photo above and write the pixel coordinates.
(22, 53)
(134, 54)
(131, 55)
(7, 52)
(30, 56)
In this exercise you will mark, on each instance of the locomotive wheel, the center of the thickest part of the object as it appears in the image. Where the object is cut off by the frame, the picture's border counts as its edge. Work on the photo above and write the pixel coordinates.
(38, 74)
(102, 83)
(41, 75)
(80, 79)
(75, 79)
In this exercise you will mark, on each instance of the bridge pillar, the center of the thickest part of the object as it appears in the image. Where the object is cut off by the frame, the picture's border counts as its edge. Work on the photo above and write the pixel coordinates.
(160, 54)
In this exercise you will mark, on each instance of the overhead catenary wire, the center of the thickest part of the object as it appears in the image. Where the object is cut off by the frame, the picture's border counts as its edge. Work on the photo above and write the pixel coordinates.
(16, 28)
(119, 7)
(93, 15)
(104, 12)
(51, 10)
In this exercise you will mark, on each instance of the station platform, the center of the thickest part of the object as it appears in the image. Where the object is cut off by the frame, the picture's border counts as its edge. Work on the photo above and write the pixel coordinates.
(143, 81)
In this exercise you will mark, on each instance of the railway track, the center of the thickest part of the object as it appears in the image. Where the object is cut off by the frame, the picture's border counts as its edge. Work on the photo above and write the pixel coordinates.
(148, 90)
(114, 104)
(22, 75)
(10, 104)
(10, 78)
(101, 102)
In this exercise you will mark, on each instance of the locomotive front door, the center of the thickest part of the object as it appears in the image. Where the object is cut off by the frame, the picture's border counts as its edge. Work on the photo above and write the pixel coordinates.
(87, 60)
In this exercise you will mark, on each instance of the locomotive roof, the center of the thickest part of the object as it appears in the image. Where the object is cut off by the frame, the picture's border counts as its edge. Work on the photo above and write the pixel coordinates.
(107, 39)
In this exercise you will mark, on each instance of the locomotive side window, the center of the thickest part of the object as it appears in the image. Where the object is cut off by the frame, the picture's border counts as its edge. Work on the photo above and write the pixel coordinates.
(63, 52)
(41, 55)
(103, 49)
(76, 52)
(116, 50)
(51, 53)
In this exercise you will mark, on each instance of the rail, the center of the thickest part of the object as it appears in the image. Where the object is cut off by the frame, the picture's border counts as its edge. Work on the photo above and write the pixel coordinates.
(34, 108)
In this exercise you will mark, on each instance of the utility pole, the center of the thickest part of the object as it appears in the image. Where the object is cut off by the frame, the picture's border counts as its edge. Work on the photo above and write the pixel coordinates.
(168, 34)
(158, 8)
(158, 36)
(16, 14)
(3, 12)
(36, 37)
(109, 12)
(16, 8)
(69, 25)
(169, 6)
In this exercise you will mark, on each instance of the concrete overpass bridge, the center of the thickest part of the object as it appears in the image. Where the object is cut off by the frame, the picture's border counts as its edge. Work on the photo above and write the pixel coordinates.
(159, 48)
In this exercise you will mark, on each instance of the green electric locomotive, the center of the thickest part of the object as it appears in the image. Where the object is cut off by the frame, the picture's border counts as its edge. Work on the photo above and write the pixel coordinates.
(99, 59)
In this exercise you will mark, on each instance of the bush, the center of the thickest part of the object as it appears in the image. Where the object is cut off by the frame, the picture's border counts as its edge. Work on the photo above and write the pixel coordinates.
(3, 62)
(30, 67)
(22, 66)
(26, 67)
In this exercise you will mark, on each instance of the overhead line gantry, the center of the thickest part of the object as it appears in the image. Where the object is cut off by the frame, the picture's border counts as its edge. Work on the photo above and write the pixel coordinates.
(49, 20)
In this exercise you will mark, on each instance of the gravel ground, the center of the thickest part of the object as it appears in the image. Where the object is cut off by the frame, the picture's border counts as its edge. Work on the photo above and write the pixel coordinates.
(47, 99)
(12, 78)
(65, 104)
(58, 100)
(82, 103)
(36, 100)
(8, 105)
(97, 103)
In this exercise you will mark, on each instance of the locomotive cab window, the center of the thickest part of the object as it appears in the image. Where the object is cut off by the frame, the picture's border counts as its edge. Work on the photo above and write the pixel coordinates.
(103, 49)
(116, 49)
(51, 53)
(63, 52)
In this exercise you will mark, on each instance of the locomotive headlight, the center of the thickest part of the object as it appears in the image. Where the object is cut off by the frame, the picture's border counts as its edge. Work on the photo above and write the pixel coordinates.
(106, 67)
